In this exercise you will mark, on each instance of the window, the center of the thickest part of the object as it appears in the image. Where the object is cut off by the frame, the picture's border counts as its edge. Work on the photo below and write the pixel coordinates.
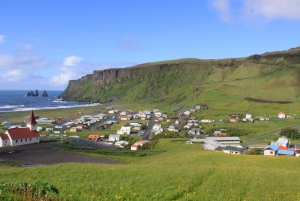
(21, 140)
(16, 141)
(26, 140)
(271, 152)
(30, 139)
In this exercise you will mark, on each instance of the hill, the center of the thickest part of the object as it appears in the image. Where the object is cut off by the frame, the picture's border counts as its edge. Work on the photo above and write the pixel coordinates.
(273, 76)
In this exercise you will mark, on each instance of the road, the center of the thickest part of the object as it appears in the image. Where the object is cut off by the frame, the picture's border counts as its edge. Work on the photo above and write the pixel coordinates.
(147, 132)
(271, 133)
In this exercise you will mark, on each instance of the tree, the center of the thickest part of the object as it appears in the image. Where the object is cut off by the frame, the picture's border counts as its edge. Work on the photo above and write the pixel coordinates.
(292, 133)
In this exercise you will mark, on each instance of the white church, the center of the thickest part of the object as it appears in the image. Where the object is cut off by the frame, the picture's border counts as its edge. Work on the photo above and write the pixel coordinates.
(22, 135)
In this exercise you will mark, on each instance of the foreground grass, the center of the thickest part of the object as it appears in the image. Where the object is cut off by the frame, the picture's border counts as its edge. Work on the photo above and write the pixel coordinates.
(184, 172)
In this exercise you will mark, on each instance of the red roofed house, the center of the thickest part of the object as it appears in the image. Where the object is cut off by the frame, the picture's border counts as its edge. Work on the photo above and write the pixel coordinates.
(21, 136)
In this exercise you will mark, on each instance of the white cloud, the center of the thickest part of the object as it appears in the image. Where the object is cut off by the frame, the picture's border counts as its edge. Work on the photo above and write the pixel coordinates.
(13, 75)
(72, 60)
(72, 69)
(2, 38)
(234, 10)
(27, 62)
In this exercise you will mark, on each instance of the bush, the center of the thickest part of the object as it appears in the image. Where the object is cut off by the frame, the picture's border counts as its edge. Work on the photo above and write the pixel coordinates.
(254, 151)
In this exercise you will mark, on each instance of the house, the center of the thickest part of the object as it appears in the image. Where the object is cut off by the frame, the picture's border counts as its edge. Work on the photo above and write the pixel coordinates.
(94, 137)
(73, 129)
(121, 143)
(21, 135)
(248, 116)
(157, 114)
(188, 125)
(138, 144)
(176, 121)
(123, 113)
(124, 117)
(195, 131)
(281, 115)
(221, 132)
(50, 128)
(233, 120)
(187, 113)
(171, 128)
(286, 152)
(271, 150)
(113, 137)
(206, 121)
(124, 130)
(225, 140)
(283, 141)
(233, 150)
(111, 111)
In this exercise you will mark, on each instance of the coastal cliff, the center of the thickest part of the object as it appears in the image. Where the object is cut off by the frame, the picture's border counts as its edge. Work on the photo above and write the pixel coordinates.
(176, 81)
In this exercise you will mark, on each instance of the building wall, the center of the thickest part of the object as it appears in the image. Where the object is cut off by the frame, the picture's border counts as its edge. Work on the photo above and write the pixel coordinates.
(4, 143)
(269, 152)
(24, 141)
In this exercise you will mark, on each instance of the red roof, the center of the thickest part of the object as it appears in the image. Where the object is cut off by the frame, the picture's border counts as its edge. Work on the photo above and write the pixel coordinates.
(4, 137)
(21, 133)
(31, 119)
(282, 147)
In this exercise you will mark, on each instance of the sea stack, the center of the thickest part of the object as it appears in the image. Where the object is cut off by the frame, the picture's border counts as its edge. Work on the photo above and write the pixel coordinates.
(45, 94)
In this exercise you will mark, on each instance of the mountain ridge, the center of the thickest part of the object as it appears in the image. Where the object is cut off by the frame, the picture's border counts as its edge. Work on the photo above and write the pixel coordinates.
(272, 75)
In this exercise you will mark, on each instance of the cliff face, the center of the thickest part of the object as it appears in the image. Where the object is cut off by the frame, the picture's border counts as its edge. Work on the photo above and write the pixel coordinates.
(181, 79)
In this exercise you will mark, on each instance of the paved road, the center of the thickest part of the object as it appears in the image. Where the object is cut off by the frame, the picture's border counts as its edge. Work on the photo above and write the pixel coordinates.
(147, 132)
(271, 132)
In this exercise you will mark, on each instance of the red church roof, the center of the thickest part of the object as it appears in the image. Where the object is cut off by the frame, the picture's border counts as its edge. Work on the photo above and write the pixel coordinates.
(31, 119)
(4, 137)
(21, 133)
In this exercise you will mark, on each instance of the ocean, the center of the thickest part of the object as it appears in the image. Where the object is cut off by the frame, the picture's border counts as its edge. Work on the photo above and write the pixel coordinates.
(16, 100)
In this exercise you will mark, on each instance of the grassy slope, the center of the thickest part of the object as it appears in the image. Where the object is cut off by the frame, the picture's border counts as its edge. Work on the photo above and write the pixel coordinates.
(171, 83)
(185, 172)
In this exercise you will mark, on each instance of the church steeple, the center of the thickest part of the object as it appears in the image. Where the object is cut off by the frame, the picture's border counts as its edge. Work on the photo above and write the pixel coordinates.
(31, 123)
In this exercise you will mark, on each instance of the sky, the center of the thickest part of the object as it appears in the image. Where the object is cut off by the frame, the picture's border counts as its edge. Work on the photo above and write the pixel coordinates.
(44, 44)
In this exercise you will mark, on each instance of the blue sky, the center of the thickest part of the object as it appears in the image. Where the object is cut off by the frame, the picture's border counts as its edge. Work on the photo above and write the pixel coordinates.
(44, 44)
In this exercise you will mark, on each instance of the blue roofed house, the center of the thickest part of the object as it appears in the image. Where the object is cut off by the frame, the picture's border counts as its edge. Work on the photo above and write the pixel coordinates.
(286, 152)
(271, 150)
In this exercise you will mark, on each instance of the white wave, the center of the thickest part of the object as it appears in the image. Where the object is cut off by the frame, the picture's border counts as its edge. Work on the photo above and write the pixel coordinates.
(52, 108)
(10, 106)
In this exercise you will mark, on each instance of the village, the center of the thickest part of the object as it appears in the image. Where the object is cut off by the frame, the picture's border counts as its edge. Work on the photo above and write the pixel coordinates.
(143, 126)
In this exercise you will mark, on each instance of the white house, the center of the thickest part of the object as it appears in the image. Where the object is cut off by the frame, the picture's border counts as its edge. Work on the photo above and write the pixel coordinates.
(171, 128)
(281, 115)
(187, 113)
(123, 113)
(283, 141)
(21, 136)
(271, 150)
(124, 130)
(113, 137)
(138, 144)
(207, 120)
(248, 116)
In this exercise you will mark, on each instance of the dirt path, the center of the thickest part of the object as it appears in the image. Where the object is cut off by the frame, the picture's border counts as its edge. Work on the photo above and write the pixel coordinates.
(46, 153)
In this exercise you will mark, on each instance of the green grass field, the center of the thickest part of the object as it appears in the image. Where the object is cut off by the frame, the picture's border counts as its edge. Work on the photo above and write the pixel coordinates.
(183, 172)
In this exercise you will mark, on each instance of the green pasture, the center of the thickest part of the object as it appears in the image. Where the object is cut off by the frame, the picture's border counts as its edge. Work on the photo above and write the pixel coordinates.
(183, 172)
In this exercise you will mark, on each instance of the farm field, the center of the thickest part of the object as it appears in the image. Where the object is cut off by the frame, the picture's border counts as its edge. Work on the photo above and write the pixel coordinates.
(183, 172)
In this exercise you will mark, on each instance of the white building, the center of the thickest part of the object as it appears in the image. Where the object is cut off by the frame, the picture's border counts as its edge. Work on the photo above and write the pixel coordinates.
(124, 130)
(113, 137)
(281, 115)
(21, 136)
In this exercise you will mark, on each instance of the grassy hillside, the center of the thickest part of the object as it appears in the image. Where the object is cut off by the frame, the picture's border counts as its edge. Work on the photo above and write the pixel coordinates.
(272, 76)
(184, 172)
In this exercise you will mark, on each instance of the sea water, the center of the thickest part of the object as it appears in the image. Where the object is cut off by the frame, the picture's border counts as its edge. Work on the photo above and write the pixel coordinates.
(16, 100)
